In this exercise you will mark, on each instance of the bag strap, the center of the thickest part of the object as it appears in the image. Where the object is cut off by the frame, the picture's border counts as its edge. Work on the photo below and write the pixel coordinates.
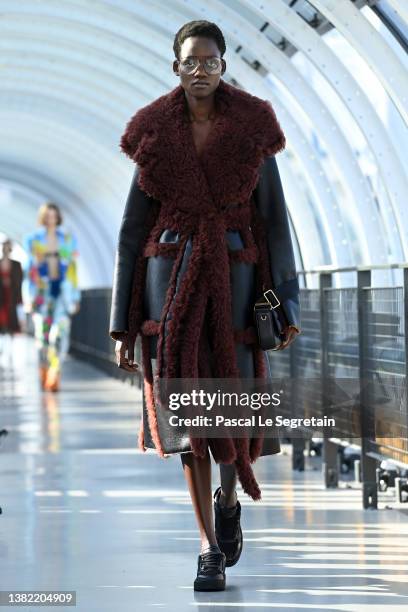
(273, 297)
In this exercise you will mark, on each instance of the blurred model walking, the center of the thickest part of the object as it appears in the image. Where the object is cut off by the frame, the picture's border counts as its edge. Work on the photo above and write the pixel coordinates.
(11, 276)
(11, 311)
(51, 291)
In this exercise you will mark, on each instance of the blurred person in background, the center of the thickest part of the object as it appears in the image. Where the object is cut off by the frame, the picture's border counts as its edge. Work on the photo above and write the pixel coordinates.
(11, 308)
(50, 291)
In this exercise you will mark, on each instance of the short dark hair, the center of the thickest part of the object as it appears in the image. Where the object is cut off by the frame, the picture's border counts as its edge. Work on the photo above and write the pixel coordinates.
(208, 29)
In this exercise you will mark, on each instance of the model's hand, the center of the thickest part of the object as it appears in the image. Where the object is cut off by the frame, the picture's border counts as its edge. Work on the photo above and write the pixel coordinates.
(289, 334)
(125, 356)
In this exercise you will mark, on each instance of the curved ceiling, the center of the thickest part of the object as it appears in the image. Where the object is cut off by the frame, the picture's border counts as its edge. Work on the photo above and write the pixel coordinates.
(74, 71)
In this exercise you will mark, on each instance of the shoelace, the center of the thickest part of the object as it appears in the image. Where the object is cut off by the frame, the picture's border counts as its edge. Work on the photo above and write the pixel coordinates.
(210, 563)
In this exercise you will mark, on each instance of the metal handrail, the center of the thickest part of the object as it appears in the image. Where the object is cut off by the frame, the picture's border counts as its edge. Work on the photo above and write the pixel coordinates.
(329, 268)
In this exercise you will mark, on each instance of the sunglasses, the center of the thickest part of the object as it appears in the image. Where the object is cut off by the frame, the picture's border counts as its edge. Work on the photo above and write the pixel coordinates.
(212, 65)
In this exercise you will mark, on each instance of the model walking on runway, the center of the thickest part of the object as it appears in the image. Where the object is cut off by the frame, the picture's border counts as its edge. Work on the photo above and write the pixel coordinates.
(11, 307)
(51, 292)
(204, 233)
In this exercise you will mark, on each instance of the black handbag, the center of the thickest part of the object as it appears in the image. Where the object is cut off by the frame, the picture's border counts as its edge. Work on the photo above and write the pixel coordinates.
(268, 323)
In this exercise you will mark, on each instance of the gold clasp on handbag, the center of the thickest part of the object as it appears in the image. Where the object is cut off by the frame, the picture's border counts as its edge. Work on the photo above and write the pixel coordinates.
(269, 301)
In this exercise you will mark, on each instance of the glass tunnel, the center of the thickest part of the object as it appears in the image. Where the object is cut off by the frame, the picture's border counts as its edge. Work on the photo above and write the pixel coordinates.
(260, 251)
(335, 72)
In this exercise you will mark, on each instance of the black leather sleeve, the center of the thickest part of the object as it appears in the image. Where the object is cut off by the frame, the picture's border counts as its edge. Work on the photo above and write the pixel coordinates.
(271, 205)
(18, 281)
(132, 233)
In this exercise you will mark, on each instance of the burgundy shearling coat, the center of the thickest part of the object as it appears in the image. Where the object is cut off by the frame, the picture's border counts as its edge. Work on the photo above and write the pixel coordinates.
(201, 237)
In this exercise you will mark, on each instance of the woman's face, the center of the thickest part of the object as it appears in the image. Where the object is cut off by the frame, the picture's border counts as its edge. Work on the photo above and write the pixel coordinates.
(189, 76)
(51, 218)
(6, 248)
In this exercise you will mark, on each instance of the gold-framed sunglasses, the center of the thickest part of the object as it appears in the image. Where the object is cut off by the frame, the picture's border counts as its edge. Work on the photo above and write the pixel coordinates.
(212, 64)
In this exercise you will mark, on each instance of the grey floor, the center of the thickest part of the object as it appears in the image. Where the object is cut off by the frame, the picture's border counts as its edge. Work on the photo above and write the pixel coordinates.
(84, 511)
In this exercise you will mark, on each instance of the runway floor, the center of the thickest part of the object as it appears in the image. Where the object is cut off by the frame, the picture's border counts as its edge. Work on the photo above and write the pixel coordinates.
(84, 511)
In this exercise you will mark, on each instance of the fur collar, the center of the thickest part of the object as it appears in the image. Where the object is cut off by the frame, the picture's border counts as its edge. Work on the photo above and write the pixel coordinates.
(159, 139)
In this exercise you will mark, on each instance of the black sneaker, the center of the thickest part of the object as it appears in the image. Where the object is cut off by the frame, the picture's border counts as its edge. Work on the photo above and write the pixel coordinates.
(210, 572)
(228, 531)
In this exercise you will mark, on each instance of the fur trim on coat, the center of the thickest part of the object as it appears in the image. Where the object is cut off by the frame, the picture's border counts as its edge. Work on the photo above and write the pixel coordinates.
(201, 196)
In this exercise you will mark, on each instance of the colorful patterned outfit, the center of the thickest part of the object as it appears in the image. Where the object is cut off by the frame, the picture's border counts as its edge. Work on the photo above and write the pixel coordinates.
(52, 301)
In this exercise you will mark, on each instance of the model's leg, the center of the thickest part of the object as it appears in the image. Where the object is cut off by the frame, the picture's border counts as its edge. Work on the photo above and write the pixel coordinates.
(41, 336)
(228, 476)
(197, 472)
(41, 340)
(6, 349)
(211, 561)
(59, 341)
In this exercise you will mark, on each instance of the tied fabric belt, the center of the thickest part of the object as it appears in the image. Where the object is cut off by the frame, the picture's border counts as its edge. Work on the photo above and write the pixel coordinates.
(200, 279)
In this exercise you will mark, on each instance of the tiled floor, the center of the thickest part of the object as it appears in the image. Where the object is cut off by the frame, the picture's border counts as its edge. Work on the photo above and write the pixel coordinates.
(83, 511)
